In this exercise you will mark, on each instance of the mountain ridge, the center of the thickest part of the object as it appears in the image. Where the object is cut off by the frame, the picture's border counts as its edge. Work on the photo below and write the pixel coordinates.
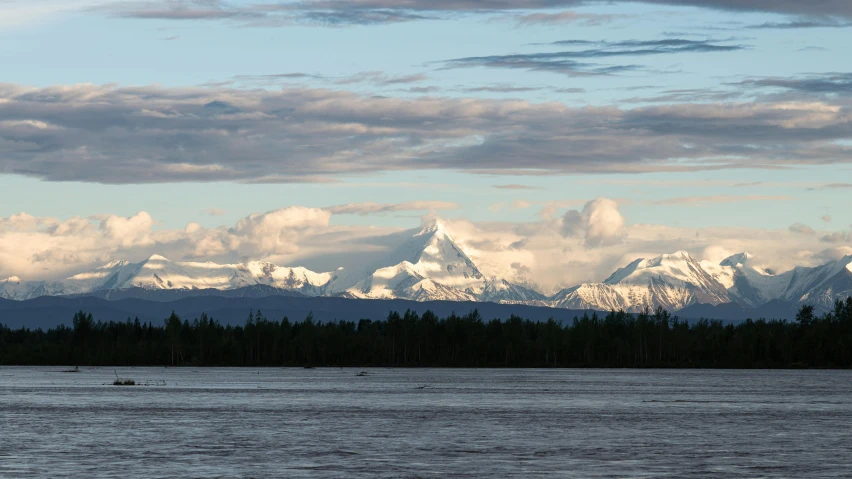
(430, 266)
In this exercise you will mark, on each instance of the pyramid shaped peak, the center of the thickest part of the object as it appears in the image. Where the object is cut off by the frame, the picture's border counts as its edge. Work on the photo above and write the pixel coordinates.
(113, 264)
(740, 258)
(156, 257)
(680, 255)
(433, 225)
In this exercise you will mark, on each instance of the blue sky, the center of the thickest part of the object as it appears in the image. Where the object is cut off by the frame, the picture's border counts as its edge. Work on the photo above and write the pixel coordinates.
(687, 117)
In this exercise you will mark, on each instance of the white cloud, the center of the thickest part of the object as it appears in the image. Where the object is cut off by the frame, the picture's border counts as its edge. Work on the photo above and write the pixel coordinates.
(214, 212)
(584, 245)
(837, 237)
(801, 229)
(276, 232)
(599, 222)
(128, 232)
(373, 208)
(25, 13)
(39, 247)
(714, 199)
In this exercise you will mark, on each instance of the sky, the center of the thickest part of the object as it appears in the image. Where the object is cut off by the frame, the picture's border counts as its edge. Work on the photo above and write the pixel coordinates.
(557, 139)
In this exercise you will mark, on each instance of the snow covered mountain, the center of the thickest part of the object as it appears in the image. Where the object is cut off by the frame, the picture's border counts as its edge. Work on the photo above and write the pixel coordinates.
(677, 281)
(159, 273)
(753, 286)
(434, 267)
(673, 281)
(747, 285)
(297, 279)
(820, 286)
(429, 265)
(14, 288)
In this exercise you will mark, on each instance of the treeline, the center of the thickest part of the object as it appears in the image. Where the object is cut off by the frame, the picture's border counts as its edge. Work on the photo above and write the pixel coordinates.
(617, 339)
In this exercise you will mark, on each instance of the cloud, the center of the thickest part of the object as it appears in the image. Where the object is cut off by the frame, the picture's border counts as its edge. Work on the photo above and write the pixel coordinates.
(826, 218)
(802, 23)
(501, 89)
(127, 232)
(539, 62)
(365, 17)
(583, 245)
(127, 135)
(550, 259)
(424, 89)
(14, 14)
(43, 246)
(274, 232)
(214, 212)
(687, 95)
(570, 90)
(715, 199)
(269, 78)
(265, 15)
(576, 62)
(831, 83)
(335, 13)
(801, 229)
(496, 207)
(377, 78)
(373, 208)
(833, 254)
(563, 18)
(382, 78)
(817, 8)
(837, 237)
(48, 248)
(599, 222)
(515, 186)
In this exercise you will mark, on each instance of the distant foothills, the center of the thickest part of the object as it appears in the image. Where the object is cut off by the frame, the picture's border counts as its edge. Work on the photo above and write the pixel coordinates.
(430, 266)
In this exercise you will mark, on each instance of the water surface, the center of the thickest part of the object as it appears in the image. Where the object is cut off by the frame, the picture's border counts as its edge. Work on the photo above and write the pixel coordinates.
(189, 422)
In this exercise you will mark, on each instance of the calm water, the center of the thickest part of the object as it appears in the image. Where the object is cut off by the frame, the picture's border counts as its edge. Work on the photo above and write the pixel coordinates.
(425, 423)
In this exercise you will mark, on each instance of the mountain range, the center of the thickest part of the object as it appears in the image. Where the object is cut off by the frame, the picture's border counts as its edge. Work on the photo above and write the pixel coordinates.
(430, 266)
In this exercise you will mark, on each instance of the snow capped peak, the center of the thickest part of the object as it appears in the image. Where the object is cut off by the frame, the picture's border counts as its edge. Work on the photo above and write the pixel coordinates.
(114, 264)
(677, 256)
(679, 264)
(434, 227)
(737, 259)
(673, 281)
(296, 278)
(431, 266)
(821, 285)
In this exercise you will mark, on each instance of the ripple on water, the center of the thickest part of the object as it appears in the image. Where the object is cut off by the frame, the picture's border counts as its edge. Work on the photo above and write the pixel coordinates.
(425, 423)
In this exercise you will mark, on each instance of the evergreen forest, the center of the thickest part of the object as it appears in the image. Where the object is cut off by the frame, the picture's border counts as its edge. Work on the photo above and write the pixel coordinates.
(613, 340)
